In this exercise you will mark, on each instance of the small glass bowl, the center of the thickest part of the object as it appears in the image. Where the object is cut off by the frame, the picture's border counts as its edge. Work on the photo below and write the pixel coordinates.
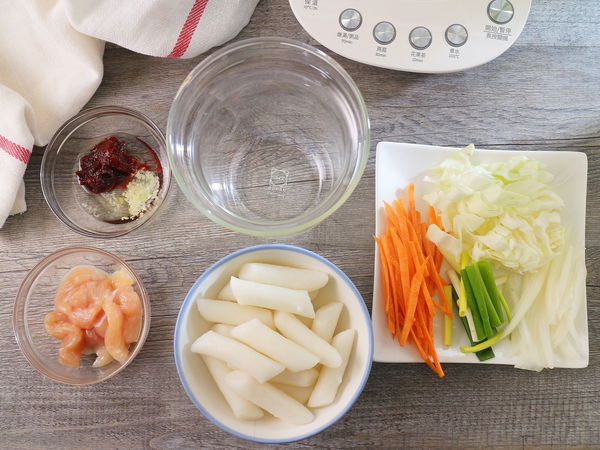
(268, 136)
(72, 203)
(35, 299)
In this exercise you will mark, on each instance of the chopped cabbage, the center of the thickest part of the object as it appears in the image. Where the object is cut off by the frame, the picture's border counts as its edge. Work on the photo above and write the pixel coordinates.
(447, 244)
(503, 211)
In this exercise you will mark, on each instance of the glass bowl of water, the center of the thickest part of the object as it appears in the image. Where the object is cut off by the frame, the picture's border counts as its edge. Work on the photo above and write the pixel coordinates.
(268, 136)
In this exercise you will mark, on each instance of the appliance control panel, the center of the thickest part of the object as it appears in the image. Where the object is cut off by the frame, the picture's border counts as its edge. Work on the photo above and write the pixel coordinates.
(429, 36)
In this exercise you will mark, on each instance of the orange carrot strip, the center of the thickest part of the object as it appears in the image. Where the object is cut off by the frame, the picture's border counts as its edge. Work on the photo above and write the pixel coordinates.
(432, 215)
(400, 211)
(427, 297)
(412, 211)
(439, 223)
(383, 258)
(425, 356)
(400, 297)
(402, 221)
(417, 255)
(419, 328)
(397, 294)
(396, 291)
(412, 299)
(392, 218)
(404, 265)
(420, 259)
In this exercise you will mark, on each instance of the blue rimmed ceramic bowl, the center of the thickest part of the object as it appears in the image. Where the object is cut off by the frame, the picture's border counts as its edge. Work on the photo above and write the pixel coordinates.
(198, 383)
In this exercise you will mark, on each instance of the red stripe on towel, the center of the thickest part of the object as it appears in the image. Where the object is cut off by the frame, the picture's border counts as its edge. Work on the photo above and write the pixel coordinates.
(189, 27)
(14, 150)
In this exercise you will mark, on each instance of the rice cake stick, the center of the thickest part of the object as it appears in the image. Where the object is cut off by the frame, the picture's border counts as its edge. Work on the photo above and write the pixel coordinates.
(230, 313)
(284, 276)
(302, 394)
(272, 297)
(261, 338)
(303, 378)
(326, 319)
(242, 408)
(226, 293)
(269, 398)
(223, 329)
(237, 355)
(330, 379)
(296, 331)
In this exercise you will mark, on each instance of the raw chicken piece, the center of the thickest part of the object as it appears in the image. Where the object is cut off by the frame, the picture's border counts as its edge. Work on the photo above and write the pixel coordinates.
(103, 358)
(72, 342)
(93, 341)
(114, 339)
(130, 304)
(121, 279)
(81, 293)
(100, 326)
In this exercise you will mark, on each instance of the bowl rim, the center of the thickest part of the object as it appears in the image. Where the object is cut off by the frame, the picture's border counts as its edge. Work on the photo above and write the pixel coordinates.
(205, 206)
(86, 116)
(18, 309)
(188, 302)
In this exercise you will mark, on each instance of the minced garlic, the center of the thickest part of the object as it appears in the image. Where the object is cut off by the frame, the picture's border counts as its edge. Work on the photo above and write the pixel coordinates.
(137, 197)
(141, 192)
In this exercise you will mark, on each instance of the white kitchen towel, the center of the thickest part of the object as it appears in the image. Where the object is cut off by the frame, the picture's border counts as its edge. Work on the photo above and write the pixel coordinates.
(51, 61)
(172, 28)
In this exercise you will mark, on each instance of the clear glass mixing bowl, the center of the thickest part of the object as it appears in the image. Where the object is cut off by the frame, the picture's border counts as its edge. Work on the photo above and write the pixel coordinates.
(268, 136)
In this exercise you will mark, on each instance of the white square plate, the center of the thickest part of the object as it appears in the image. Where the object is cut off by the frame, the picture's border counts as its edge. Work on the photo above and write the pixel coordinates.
(400, 164)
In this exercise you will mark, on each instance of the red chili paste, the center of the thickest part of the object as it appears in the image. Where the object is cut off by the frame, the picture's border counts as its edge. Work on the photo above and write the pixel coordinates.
(107, 166)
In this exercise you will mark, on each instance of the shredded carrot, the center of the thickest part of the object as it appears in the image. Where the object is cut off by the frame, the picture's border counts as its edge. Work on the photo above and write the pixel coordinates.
(410, 266)
(405, 265)
(412, 210)
(386, 284)
(391, 215)
(413, 297)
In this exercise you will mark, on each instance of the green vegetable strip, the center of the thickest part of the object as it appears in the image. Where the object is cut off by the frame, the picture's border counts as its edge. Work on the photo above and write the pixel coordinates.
(485, 269)
(478, 301)
(483, 355)
(494, 319)
(462, 300)
(448, 320)
(483, 345)
(506, 308)
(472, 305)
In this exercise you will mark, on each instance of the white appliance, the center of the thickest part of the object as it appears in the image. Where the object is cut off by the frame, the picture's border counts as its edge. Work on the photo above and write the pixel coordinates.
(429, 36)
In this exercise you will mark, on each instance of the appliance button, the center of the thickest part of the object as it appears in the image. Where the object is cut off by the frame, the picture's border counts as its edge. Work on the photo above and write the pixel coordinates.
(420, 38)
(384, 33)
(456, 35)
(350, 19)
(501, 11)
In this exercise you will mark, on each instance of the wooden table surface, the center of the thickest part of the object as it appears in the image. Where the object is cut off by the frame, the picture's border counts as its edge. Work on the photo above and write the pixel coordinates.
(542, 94)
